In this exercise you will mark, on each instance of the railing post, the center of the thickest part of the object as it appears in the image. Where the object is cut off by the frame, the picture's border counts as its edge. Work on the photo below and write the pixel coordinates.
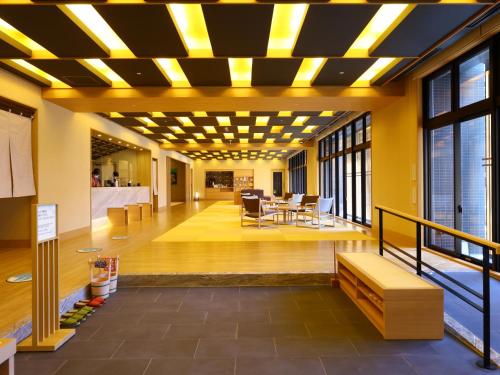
(486, 361)
(419, 249)
(381, 232)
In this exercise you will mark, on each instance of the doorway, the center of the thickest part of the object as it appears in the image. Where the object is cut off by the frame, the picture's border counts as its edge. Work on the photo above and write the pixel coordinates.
(178, 182)
(278, 183)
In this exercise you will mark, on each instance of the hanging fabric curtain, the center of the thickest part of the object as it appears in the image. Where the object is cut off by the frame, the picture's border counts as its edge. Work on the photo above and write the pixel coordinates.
(5, 173)
(21, 165)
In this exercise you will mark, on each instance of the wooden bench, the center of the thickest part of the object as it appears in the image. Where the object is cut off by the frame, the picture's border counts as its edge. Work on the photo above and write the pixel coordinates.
(399, 304)
(7, 352)
(118, 215)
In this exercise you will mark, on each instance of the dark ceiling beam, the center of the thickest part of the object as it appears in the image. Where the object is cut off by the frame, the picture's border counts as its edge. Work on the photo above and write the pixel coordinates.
(149, 99)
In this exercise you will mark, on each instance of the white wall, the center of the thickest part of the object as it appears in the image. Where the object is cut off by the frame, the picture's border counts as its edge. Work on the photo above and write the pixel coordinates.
(64, 152)
(262, 172)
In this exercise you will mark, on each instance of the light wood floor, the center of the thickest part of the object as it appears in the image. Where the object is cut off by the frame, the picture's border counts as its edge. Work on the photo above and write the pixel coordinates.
(139, 254)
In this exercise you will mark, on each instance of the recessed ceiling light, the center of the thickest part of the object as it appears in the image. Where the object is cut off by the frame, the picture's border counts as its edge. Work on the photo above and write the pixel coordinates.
(110, 139)
(138, 73)
(99, 135)
(341, 73)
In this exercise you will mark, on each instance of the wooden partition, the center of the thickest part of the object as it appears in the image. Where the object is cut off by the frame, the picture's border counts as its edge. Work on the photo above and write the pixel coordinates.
(45, 332)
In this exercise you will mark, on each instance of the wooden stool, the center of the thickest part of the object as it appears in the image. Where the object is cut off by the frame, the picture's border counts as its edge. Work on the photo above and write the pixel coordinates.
(134, 212)
(147, 209)
(118, 215)
(7, 352)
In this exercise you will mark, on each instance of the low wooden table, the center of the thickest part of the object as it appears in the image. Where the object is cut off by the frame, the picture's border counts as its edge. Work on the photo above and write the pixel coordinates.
(7, 352)
(287, 214)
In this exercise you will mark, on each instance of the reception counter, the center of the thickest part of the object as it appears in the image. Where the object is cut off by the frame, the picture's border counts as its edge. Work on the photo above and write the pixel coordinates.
(105, 197)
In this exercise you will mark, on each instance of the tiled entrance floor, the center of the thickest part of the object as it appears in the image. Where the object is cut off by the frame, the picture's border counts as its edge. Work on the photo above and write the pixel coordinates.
(258, 331)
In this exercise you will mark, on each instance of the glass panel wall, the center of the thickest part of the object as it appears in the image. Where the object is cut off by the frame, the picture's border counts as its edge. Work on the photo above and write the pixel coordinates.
(297, 172)
(462, 143)
(348, 179)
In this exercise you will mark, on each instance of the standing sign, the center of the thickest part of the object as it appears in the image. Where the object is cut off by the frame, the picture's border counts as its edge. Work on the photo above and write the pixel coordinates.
(46, 222)
(45, 332)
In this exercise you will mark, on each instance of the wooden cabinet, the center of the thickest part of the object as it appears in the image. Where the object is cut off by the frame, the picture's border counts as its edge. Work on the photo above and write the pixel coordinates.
(399, 304)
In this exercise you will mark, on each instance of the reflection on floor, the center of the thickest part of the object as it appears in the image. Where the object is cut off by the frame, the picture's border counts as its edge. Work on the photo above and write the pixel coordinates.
(172, 204)
(221, 223)
(291, 331)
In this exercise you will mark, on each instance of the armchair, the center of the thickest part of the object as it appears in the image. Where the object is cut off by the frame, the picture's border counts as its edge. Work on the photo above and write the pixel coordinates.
(253, 210)
(318, 211)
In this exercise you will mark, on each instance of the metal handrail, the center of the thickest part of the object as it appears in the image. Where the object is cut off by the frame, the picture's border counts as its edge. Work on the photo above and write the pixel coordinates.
(442, 228)
(487, 246)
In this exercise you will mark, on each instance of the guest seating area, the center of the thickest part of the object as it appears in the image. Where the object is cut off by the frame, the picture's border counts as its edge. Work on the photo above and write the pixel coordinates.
(292, 208)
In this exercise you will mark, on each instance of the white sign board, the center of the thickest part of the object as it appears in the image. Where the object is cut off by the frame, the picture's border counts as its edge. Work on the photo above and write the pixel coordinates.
(46, 222)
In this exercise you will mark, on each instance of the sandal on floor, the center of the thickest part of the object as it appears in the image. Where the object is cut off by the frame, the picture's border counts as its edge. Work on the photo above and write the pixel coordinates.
(69, 323)
(76, 316)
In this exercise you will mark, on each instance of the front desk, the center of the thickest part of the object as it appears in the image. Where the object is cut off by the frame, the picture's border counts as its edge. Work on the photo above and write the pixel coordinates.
(106, 197)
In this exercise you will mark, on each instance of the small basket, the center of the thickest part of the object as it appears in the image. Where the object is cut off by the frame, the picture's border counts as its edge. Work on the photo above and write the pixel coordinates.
(100, 277)
(112, 264)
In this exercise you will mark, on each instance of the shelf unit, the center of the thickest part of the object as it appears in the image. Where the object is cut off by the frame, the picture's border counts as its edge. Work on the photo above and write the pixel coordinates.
(399, 304)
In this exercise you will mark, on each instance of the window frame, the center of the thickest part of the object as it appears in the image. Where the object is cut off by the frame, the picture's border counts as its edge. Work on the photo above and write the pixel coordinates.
(456, 116)
(330, 186)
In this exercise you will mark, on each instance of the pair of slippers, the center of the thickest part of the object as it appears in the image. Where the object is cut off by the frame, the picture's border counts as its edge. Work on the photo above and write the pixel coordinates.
(94, 302)
(73, 318)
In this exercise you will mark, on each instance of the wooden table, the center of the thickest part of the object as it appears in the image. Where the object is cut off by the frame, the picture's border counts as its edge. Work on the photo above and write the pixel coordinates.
(7, 352)
(287, 212)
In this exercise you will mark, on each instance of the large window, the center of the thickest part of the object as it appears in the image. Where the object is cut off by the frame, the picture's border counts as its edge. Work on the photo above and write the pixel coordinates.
(462, 145)
(297, 171)
(345, 170)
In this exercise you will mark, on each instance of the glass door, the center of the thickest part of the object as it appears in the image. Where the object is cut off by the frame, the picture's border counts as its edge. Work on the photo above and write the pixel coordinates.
(460, 189)
(474, 189)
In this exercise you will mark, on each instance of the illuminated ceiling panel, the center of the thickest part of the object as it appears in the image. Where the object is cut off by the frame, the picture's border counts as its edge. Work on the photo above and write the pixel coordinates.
(285, 27)
(172, 71)
(190, 24)
(98, 67)
(241, 72)
(382, 23)
(89, 20)
(377, 69)
(36, 73)
(308, 70)
(37, 50)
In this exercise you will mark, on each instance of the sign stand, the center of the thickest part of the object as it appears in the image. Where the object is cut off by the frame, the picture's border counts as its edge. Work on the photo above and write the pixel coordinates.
(45, 332)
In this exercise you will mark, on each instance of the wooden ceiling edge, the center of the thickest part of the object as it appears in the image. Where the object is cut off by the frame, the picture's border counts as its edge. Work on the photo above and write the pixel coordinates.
(214, 99)
(234, 147)
(469, 41)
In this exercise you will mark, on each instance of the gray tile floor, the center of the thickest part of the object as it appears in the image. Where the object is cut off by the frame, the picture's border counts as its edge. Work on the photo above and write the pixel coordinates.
(262, 330)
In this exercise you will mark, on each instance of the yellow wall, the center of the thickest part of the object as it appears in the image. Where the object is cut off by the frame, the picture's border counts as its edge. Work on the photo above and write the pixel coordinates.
(396, 159)
(262, 172)
(312, 170)
(64, 152)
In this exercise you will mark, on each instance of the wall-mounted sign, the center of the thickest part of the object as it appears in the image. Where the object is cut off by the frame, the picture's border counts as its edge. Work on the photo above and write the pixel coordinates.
(22, 278)
(46, 222)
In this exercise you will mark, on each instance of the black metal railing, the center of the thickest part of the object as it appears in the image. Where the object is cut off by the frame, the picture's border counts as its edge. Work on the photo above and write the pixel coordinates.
(487, 246)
